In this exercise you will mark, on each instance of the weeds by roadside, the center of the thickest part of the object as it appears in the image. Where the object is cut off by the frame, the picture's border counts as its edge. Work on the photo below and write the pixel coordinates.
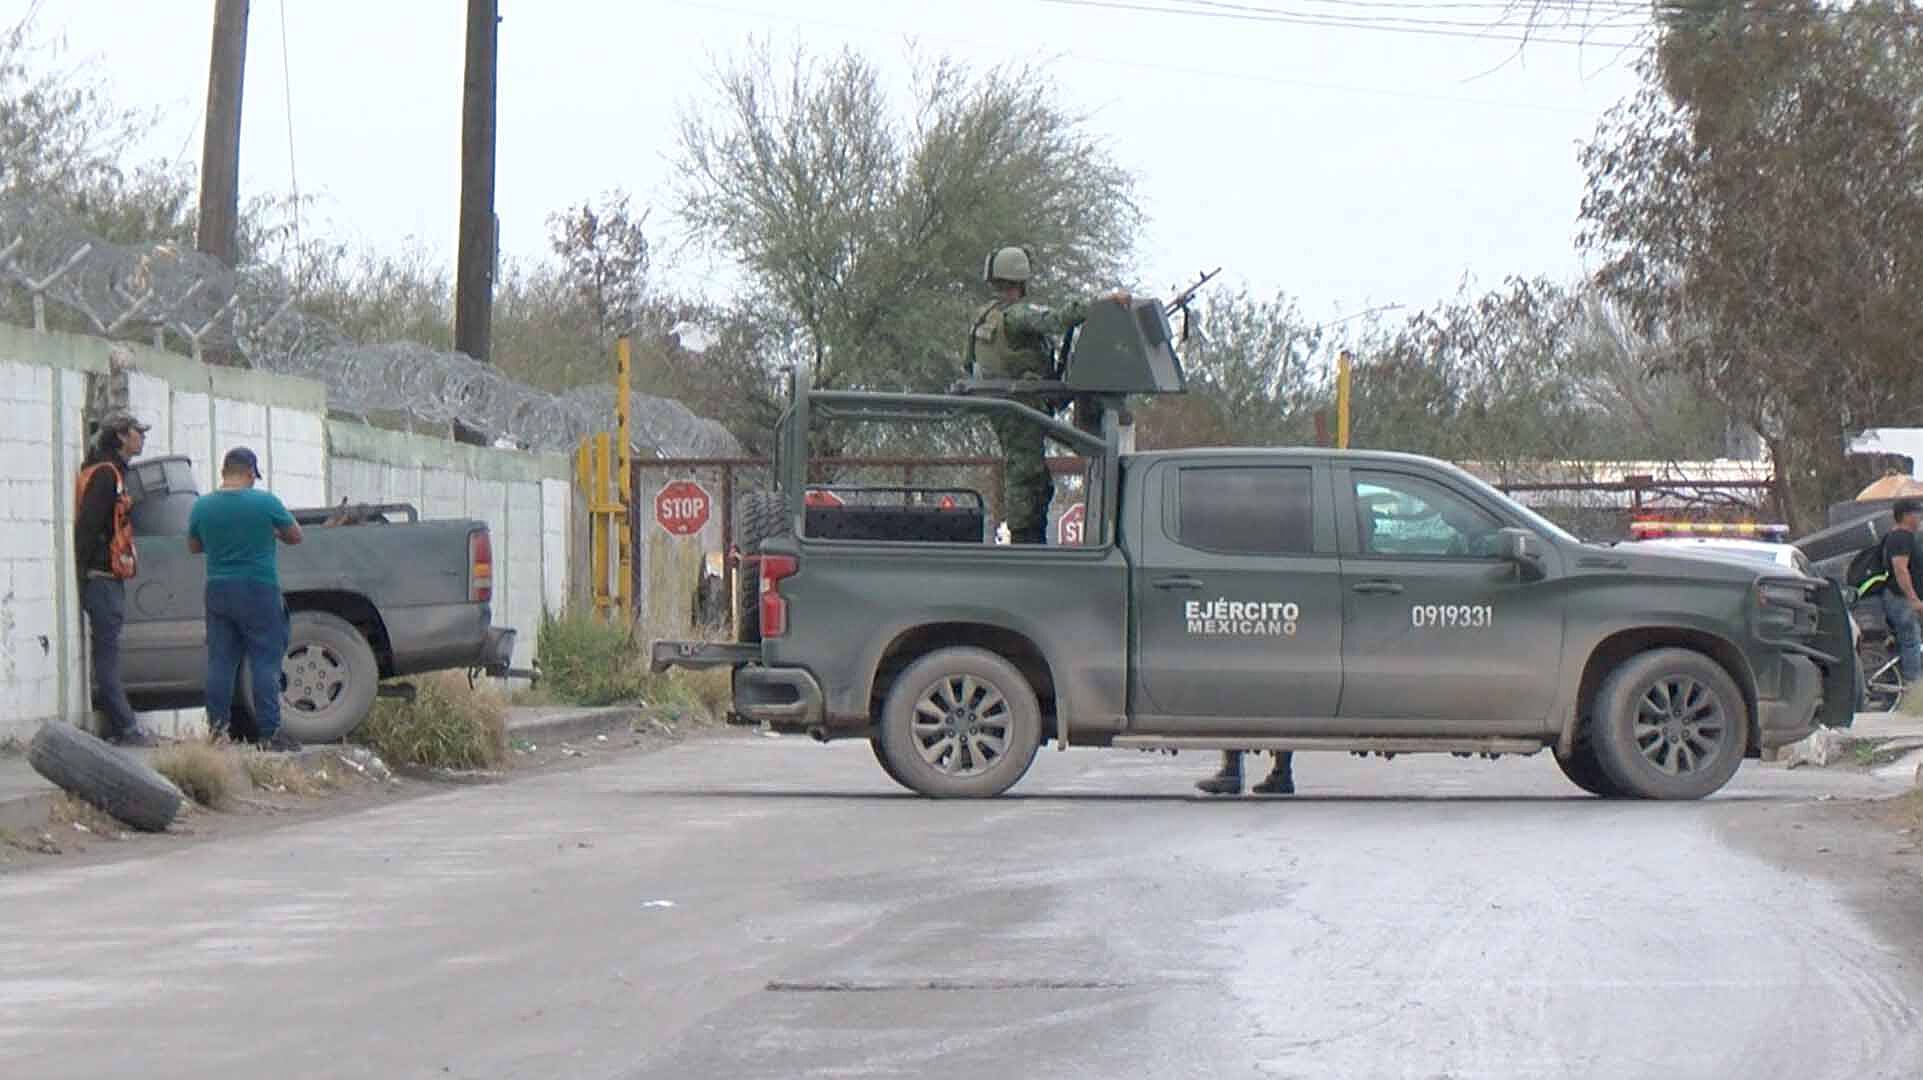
(204, 772)
(85, 817)
(585, 661)
(275, 773)
(448, 725)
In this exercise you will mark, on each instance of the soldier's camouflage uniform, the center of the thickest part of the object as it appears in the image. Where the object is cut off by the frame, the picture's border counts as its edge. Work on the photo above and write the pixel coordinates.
(1017, 340)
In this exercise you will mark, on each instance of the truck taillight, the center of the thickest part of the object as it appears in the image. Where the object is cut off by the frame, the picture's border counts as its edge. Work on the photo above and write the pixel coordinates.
(774, 606)
(480, 567)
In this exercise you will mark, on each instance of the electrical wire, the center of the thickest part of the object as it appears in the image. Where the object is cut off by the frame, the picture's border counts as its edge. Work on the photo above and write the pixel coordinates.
(1080, 56)
(1338, 22)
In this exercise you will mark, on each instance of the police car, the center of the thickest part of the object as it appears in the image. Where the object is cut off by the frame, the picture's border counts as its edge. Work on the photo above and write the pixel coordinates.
(1752, 542)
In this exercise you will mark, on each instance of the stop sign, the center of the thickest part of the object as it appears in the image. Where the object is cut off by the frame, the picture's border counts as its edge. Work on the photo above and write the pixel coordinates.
(1068, 531)
(681, 507)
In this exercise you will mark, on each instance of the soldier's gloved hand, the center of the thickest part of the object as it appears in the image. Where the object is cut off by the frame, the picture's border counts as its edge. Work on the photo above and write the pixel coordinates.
(1120, 296)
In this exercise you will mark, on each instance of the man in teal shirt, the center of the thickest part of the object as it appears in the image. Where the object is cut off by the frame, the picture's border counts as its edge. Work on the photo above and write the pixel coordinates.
(236, 528)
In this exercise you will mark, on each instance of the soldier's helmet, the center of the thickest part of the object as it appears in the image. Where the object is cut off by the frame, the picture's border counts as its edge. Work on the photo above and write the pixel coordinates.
(1007, 264)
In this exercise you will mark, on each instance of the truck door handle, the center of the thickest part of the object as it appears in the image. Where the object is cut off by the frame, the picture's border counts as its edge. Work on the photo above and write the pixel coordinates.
(1377, 588)
(1180, 581)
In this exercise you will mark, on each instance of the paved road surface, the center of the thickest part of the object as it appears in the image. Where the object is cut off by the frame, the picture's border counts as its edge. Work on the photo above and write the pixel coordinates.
(1424, 919)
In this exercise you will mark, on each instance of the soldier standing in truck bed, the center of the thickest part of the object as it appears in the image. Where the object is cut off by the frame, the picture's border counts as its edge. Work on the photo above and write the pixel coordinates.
(1015, 339)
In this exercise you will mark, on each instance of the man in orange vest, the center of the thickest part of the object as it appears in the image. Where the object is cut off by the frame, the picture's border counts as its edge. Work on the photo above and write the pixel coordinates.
(103, 554)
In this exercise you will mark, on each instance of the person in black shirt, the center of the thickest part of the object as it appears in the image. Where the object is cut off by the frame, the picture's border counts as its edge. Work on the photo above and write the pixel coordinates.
(103, 587)
(1901, 602)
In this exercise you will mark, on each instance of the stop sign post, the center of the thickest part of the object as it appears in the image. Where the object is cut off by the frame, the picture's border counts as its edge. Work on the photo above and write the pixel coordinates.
(1069, 530)
(681, 507)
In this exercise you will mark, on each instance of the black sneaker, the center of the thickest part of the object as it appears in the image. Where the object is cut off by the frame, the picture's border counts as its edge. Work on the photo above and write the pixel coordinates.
(133, 738)
(282, 742)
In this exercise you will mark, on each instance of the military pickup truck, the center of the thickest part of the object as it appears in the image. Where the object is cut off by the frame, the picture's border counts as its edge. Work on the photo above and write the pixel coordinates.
(1280, 599)
(372, 593)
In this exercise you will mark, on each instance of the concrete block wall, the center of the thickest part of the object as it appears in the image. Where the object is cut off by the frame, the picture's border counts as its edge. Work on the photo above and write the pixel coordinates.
(527, 500)
(31, 619)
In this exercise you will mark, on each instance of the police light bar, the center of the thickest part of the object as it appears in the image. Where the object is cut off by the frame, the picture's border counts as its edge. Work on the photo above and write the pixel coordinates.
(1653, 530)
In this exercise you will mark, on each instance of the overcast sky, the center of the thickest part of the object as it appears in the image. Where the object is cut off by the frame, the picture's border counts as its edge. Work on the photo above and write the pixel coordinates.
(1350, 167)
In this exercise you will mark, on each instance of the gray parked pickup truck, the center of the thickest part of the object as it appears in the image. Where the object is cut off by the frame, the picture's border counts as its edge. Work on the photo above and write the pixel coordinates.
(1285, 599)
(372, 593)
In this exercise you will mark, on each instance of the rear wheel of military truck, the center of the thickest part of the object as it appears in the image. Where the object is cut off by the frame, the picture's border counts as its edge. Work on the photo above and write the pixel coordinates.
(960, 723)
(1669, 724)
(758, 515)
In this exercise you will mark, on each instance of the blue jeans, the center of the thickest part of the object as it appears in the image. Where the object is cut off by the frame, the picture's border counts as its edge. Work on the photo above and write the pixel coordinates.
(246, 621)
(1907, 630)
(105, 602)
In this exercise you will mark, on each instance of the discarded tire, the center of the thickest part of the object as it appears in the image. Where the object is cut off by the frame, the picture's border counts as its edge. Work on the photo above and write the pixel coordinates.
(119, 784)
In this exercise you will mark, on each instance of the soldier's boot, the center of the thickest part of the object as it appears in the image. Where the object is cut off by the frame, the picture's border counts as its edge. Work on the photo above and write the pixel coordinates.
(1281, 779)
(1227, 781)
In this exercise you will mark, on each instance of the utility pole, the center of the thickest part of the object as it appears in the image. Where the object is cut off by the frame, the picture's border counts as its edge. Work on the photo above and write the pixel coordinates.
(220, 151)
(475, 263)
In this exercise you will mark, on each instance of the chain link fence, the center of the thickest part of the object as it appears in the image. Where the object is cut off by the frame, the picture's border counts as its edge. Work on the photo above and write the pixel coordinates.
(181, 299)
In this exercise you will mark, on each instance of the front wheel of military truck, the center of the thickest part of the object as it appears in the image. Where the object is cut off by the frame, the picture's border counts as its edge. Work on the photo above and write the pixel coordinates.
(960, 723)
(1669, 724)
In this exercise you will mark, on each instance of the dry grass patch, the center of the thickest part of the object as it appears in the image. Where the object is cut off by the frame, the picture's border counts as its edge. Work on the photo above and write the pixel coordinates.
(70, 811)
(282, 775)
(204, 772)
(448, 725)
(712, 691)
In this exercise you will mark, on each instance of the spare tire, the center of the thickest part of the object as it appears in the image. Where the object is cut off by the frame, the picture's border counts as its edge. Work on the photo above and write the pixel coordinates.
(119, 784)
(758, 515)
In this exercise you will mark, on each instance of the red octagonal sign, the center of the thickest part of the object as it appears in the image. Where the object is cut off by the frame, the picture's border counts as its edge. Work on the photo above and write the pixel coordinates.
(682, 507)
(1071, 528)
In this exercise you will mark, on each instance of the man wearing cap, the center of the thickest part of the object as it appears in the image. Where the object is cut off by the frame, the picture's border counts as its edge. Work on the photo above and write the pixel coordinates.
(236, 527)
(103, 555)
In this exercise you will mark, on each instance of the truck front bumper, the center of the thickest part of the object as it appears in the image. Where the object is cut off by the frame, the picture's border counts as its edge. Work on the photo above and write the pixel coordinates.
(1790, 716)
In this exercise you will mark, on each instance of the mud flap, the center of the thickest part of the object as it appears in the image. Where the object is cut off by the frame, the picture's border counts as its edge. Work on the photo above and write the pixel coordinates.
(1840, 682)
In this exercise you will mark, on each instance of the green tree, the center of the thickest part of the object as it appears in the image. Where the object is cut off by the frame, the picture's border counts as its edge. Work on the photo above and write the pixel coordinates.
(1758, 207)
(861, 226)
(64, 144)
(1255, 371)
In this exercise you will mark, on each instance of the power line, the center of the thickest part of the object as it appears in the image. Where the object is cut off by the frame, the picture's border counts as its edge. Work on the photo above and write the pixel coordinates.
(1080, 56)
(1213, 7)
(1528, 9)
(1337, 22)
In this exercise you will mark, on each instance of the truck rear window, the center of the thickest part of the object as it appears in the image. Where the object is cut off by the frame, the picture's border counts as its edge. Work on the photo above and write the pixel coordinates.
(1247, 510)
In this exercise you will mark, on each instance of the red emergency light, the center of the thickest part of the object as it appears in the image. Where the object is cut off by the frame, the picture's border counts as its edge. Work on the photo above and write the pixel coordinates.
(1749, 530)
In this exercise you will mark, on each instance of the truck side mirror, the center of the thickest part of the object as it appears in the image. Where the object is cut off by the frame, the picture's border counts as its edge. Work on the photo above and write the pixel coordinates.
(1519, 546)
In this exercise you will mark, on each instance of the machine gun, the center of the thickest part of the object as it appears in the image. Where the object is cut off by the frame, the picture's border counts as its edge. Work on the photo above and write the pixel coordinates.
(1183, 298)
(1059, 363)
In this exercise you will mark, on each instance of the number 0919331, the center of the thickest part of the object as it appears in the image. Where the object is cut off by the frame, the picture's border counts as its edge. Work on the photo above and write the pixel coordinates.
(1452, 616)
